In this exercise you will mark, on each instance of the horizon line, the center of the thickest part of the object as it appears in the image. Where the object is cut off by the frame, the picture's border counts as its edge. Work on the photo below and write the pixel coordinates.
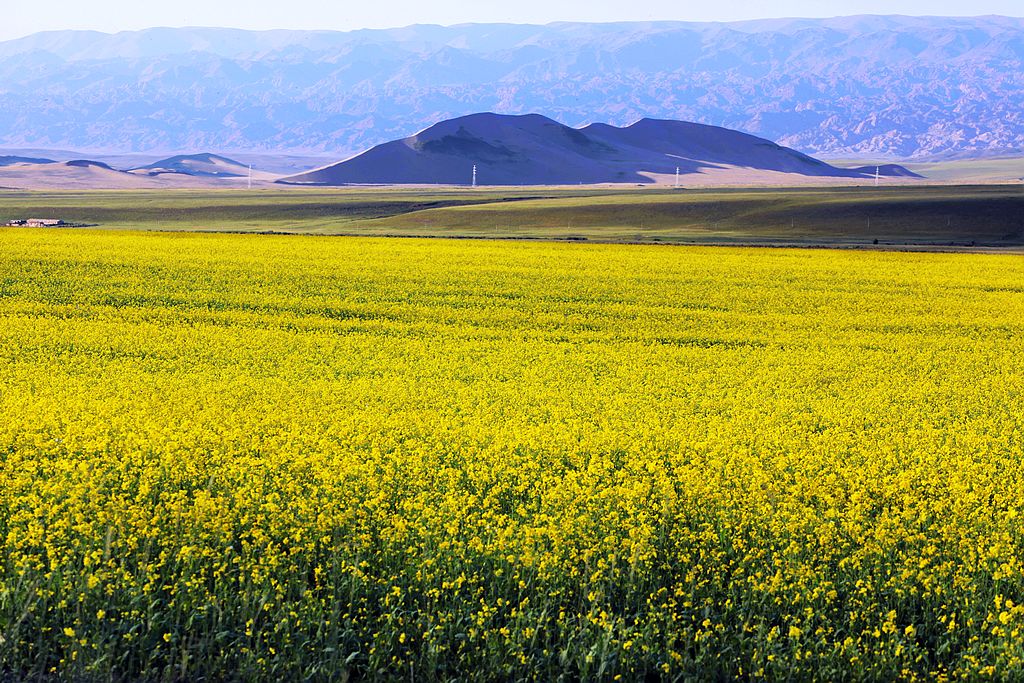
(731, 22)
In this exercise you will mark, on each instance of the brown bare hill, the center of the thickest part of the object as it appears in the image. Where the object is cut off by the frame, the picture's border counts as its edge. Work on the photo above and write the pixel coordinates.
(83, 174)
(199, 165)
(75, 174)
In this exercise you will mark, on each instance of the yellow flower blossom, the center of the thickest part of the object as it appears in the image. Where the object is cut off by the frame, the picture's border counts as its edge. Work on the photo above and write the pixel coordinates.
(545, 461)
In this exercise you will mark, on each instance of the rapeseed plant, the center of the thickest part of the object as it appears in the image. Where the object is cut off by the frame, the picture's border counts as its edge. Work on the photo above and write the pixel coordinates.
(249, 457)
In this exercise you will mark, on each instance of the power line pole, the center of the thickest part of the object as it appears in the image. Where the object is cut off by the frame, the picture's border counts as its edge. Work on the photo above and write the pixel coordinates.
(877, 174)
(250, 176)
(474, 175)
(677, 177)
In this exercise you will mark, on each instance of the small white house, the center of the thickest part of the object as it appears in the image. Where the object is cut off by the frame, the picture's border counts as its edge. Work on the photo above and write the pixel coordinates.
(36, 223)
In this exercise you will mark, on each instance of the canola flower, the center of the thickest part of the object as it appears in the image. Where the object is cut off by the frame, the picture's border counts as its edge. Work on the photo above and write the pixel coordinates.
(250, 457)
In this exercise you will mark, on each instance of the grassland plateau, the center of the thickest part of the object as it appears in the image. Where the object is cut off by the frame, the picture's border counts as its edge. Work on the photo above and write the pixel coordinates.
(925, 216)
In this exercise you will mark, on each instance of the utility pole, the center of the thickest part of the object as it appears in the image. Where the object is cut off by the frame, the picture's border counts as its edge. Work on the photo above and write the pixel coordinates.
(474, 175)
(250, 176)
(677, 177)
(877, 174)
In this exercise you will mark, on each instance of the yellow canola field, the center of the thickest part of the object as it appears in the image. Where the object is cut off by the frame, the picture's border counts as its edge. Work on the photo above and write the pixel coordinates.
(250, 457)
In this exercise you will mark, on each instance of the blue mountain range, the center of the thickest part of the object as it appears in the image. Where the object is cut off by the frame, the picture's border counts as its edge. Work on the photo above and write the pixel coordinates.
(897, 87)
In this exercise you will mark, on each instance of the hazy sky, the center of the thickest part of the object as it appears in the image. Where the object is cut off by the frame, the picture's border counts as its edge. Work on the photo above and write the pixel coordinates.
(27, 16)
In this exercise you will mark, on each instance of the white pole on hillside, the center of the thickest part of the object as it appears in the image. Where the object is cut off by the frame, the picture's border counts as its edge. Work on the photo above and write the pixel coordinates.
(250, 176)
(878, 170)
(474, 175)
(677, 177)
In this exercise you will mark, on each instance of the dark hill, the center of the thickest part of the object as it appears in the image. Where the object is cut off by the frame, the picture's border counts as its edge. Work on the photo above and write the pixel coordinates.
(887, 170)
(11, 160)
(535, 150)
(88, 163)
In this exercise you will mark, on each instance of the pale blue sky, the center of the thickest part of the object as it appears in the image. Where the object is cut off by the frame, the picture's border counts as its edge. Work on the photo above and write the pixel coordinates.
(30, 16)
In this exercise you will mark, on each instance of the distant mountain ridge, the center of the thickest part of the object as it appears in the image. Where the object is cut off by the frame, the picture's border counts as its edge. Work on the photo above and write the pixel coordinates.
(535, 150)
(896, 87)
(9, 160)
